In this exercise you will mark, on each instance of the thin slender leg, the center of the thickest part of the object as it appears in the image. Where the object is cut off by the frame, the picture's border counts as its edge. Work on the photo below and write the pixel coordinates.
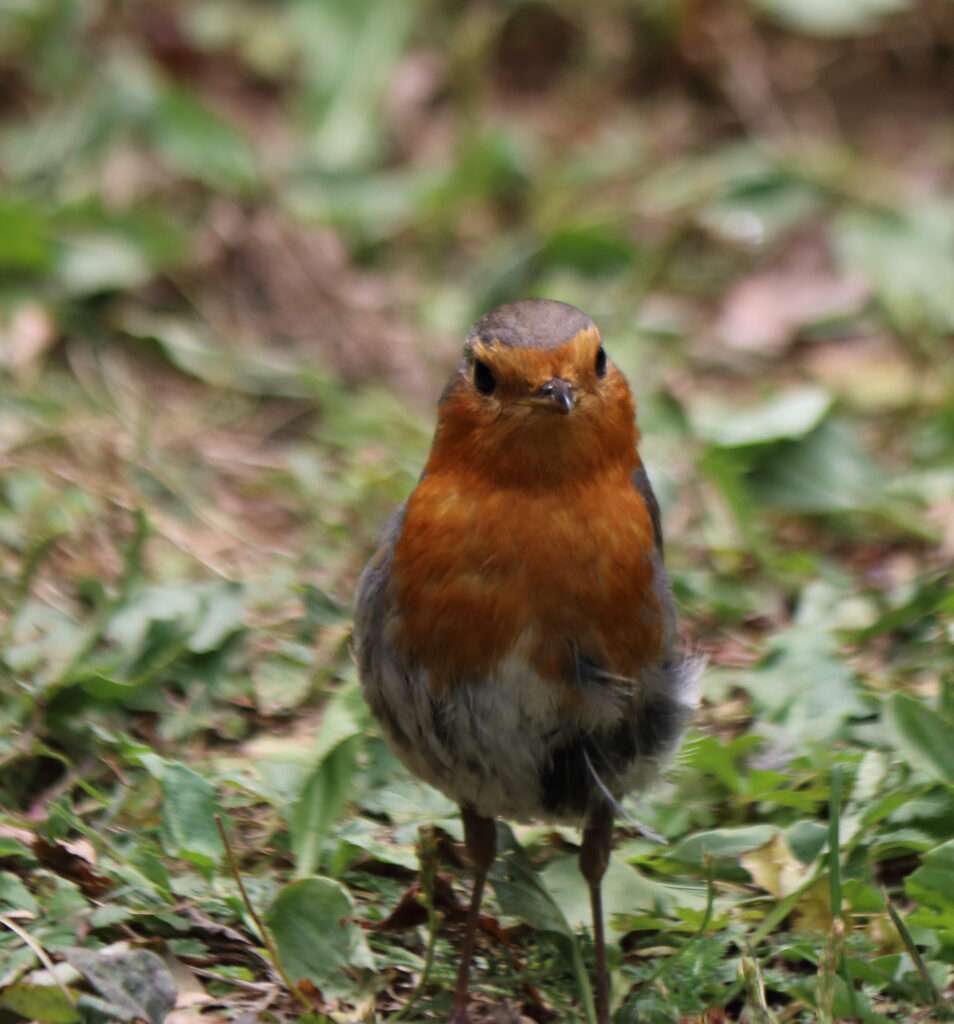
(480, 835)
(594, 858)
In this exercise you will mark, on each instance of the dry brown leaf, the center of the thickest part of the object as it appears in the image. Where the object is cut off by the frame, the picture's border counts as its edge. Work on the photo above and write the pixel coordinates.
(871, 373)
(74, 861)
(775, 868)
(764, 312)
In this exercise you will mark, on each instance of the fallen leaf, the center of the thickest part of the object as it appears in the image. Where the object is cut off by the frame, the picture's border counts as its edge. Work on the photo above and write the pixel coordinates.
(774, 867)
(411, 911)
(764, 312)
(74, 861)
(870, 373)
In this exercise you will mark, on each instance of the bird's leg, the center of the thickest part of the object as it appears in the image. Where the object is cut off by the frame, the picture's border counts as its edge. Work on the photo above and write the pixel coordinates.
(480, 835)
(594, 858)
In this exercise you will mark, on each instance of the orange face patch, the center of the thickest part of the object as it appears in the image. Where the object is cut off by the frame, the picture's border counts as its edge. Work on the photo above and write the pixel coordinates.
(508, 439)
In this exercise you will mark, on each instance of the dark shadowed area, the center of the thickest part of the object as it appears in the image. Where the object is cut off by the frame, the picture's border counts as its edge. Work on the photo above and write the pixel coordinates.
(241, 245)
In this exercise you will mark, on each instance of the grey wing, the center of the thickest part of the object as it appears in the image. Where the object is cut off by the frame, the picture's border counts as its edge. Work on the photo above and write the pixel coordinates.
(641, 482)
(372, 597)
(380, 668)
(396, 691)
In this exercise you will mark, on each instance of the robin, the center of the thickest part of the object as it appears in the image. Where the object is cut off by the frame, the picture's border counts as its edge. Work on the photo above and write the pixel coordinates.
(515, 632)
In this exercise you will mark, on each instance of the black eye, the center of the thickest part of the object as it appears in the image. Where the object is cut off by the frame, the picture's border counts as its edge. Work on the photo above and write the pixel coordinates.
(484, 380)
(601, 362)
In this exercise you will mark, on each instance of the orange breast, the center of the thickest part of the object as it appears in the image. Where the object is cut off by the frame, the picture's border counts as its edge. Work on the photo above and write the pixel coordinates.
(478, 569)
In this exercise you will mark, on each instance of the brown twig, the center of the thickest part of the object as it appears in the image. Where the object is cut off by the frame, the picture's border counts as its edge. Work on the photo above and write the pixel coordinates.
(259, 923)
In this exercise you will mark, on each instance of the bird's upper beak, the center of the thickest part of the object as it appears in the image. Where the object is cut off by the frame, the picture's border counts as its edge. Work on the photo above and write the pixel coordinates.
(556, 394)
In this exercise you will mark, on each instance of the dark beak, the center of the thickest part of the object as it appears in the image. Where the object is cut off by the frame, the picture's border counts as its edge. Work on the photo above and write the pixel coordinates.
(559, 393)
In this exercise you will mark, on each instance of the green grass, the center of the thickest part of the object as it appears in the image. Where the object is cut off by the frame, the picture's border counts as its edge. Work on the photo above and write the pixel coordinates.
(238, 253)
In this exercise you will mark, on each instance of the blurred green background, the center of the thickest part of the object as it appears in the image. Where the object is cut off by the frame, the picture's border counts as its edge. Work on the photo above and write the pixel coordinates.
(240, 244)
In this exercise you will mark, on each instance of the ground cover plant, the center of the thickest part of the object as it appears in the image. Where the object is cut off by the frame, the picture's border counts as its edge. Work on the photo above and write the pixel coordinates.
(239, 246)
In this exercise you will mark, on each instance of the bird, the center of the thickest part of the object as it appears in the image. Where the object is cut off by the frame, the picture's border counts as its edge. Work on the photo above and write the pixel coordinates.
(515, 632)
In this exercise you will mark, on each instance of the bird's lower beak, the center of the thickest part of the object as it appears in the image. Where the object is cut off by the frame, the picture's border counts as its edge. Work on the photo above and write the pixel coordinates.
(556, 394)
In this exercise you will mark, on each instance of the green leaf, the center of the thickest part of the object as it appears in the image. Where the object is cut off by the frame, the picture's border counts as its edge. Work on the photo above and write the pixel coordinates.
(520, 890)
(785, 416)
(723, 843)
(312, 923)
(804, 684)
(24, 238)
(828, 471)
(132, 985)
(591, 249)
(932, 885)
(281, 683)
(625, 892)
(806, 839)
(200, 144)
(45, 1003)
(378, 841)
(355, 47)
(220, 616)
(923, 735)
(101, 261)
(14, 895)
(906, 257)
(322, 800)
(189, 807)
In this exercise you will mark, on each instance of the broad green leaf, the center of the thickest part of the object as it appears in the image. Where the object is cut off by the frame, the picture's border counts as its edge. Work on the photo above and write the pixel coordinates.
(200, 144)
(322, 800)
(14, 895)
(804, 684)
(101, 262)
(378, 841)
(220, 615)
(923, 735)
(806, 839)
(327, 786)
(625, 892)
(345, 714)
(906, 256)
(827, 471)
(24, 237)
(788, 415)
(932, 885)
(189, 807)
(356, 46)
(312, 922)
(281, 683)
(590, 249)
(723, 843)
(520, 890)
(45, 1003)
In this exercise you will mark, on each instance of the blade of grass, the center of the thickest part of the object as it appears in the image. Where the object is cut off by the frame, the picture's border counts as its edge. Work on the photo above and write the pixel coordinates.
(912, 950)
(834, 841)
(839, 925)
(40, 953)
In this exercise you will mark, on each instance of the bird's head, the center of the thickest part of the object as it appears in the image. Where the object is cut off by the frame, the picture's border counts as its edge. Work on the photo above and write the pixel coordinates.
(535, 398)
